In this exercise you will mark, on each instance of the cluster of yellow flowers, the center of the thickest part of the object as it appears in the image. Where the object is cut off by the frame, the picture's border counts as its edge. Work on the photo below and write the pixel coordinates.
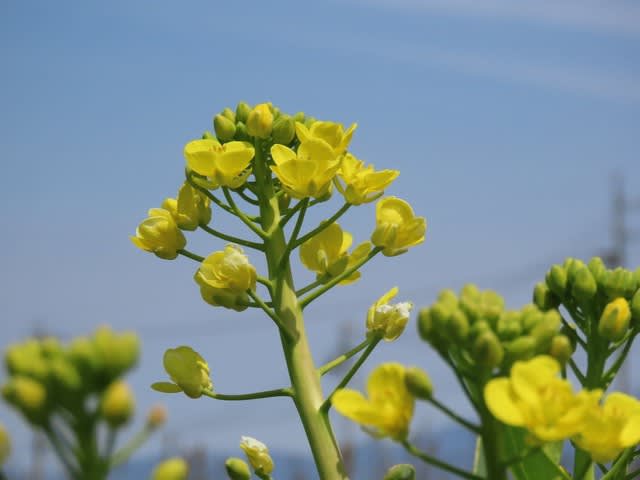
(533, 397)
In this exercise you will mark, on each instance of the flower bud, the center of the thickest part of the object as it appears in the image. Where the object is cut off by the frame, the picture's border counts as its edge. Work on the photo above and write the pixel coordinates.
(487, 350)
(225, 128)
(403, 471)
(531, 316)
(258, 455)
(557, 280)
(544, 298)
(572, 266)
(425, 323)
(230, 114)
(509, 326)
(418, 383)
(28, 395)
(546, 328)
(561, 348)
(477, 329)
(308, 121)
(188, 371)
(242, 135)
(237, 469)
(597, 268)
(66, 374)
(388, 320)
(284, 130)
(159, 234)
(522, 348)
(299, 117)
(117, 404)
(171, 469)
(5, 445)
(614, 321)
(635, 307)
(207, 135)
(457, 326)
(157, 416)
(260, 121)
(619, 283)
(242, 112)
(584, 286)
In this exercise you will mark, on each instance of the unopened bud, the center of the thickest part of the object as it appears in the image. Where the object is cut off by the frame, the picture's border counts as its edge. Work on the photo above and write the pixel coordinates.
(157, 416)
(28, 395)
(230, 114)
(584, 286)
(557, 280)
(487, 350)
(546, 328)
(172, 469)
(458, 326)
(242, 112)
(208, 135)
(619, 283)
(509, 326)
(572, 266)
(597, 268)
(117, 404)
(308, 121)
(237, 469)
(284, 129)
(635, 307)
(260, 121)
(241, 133)
(522, 348)
(425, 323)
(225, 128)
(544, 298)
(418, 383)
(403, 471)
(561, 348)
(614, 321)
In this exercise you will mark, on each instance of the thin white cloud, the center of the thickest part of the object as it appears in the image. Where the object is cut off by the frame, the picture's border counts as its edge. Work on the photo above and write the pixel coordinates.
(611, 16)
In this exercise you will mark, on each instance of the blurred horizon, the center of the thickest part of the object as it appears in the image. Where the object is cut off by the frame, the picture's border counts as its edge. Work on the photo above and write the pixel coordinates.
(514, 129)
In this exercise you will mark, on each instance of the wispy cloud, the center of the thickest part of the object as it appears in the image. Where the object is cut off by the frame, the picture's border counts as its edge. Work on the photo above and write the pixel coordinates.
(613, 16)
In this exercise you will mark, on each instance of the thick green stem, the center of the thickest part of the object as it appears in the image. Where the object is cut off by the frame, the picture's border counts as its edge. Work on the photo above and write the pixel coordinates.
(305, 381)
(491, 441)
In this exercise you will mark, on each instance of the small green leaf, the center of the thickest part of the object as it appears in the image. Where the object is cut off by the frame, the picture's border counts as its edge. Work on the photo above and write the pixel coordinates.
(166, 387)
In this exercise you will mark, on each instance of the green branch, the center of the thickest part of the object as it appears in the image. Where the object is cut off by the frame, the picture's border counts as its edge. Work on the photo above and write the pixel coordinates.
(425, 457)
(327, 367)
(61, 452)
(134, 444)
(323, 225)
(270, 312)
(335, 280)
(243, 216)
(576, 371)
(291, 212)
(294, 234)
(192, 256)
(280, 392)
(231, 238)
(613, 371)
(454, 416)
(320, 281)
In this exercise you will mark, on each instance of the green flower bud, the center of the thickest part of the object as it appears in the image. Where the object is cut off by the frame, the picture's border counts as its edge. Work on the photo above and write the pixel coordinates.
(557, 280)
(569, 331)
(448, 297)
(572, 267)
(509, 325)
(230, 114)
(208, 135)
(546, 328)
(171, 469)
(440, 314)
(425, 323)
(299, 117)
(242, 112)
(284, 130)
(66, 374)
(492, 306)
(28, 395)
(225, 128)
(584, 286)
(477, 329)
(597, 268)
(403, 471)
(308, 121)
(561, 348)
(619, 283)
(237, 469)
(418, 383)
(544, 298)
(117, 404)
(530, 317)
(635, 307)
(614, 322)
(242, 135)
(522, 348)
(487, 350)
(260, 121)
(457, 326)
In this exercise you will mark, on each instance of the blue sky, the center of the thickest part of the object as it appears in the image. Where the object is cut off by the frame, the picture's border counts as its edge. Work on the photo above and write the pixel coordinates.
(505, 122)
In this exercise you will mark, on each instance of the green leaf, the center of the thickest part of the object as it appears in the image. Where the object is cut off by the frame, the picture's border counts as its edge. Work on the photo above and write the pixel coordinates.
(479, 466)
(166, 387)
(544, 463)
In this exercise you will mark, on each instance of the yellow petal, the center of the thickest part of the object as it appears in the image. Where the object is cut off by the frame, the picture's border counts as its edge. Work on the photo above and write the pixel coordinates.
(630, 434)
(501, 402)
(200, 155)
(282, 154)
(353, 405)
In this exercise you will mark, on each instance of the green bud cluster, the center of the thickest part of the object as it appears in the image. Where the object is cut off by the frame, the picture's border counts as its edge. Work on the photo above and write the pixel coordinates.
(475, 327)
(602, 300)
(231, 125)
(44, 374)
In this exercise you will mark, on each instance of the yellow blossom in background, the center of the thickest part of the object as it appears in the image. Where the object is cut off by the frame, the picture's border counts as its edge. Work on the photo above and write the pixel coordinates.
(389, 408)
(156, 416)
(224, 278)
(258, 455)
(117, 403)
(327, 253)
(159, 234)
(223, 165)
(332, 133)
(610, 428)
(260, 121)
(533, 397)
(362, 184)
(190, 209)
(307, 172)
(387, 320)
(188, 370)
(397, 227)
(5, 445)
(171, 469)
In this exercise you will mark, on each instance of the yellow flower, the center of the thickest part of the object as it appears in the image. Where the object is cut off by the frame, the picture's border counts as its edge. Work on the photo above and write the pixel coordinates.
(258, 455)
(5, 445)
(117, 404)
(397, 227)
(534, 397)
(157, 416)
(159, 234)
(188, 370)
(362, 184)
(610, 428)
(389, 409)
(307, 173)
(224, 165)
(224, 278)
(388, 320)
(171, 469)
(332, 133)
(326, 253)
(190, 209)
(260, 121)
